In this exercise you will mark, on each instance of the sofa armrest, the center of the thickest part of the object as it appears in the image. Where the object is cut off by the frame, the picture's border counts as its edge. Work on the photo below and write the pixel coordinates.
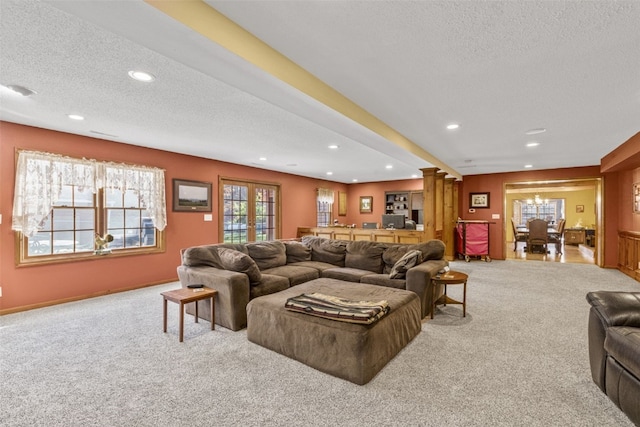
(419, 281)
(616, 308)
(233, 293)
(608, 309)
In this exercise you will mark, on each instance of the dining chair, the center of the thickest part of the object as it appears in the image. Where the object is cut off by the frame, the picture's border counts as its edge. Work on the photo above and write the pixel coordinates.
(557, 237)
(518, 236)
(538, 236)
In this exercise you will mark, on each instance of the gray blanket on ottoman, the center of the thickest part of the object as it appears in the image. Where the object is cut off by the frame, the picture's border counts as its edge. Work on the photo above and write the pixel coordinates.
(355, 352)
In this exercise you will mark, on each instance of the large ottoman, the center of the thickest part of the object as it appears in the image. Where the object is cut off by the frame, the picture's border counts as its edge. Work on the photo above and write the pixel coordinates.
(351, 351)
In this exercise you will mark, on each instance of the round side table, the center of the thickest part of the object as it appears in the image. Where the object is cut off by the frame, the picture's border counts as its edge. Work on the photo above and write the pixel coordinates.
(449, 278)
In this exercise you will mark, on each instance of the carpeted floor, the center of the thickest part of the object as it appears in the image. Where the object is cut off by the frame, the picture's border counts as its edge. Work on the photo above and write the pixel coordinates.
(519, 358)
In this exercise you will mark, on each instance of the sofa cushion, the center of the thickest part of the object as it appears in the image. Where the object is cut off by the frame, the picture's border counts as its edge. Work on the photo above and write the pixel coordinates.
(326, 250)
(365, 255)
(433, 249)
(297, 251)
(319, 266)
(408, 260)
(201, 255)
(345, 273)
(242, 263)
(384, 280)
(267, 254)
(240, 247)
(268, 284)
(296, 274)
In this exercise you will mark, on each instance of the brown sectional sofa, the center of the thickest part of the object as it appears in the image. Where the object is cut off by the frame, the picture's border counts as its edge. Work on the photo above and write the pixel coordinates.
(614, 348)
(242, 272)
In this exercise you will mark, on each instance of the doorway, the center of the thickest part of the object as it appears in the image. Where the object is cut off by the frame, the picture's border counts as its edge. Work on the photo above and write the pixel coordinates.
(250, 211)
(578, 201)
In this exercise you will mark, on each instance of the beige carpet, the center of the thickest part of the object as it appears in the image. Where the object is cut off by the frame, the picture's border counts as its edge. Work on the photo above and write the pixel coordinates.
(519, 358)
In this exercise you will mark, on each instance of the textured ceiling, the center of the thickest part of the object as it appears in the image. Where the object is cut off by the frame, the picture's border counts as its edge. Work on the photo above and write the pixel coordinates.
(498, 68)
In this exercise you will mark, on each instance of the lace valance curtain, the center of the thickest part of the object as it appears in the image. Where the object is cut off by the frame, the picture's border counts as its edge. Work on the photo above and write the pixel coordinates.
(40, 178)
(325, 195)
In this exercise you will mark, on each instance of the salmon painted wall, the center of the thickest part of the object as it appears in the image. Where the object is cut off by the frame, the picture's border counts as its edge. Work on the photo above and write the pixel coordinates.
(34, 285)
(494, 184)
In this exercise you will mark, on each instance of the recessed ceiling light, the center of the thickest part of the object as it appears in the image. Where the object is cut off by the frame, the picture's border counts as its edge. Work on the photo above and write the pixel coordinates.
(528, 166)
(535, 131)
(263, 158)
(389, 166)
(329, 173)
(414, 176)
(334, 147)
(354, 180)
(533, 144)
(453, 126)
(75, 117)
(141, 76)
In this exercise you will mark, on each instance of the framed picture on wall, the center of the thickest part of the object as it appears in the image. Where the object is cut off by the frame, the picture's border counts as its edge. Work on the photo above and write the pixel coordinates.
(579, 208)
(479, 200)
(191, 196)
(636, 197)
(366, 204)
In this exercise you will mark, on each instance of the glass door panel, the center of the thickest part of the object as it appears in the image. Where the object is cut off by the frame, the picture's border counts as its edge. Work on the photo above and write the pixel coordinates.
(249, 211)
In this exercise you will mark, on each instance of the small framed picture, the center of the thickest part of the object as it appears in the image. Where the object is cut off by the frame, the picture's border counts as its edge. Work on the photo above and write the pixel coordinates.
(191, 196)
(366, 204)
(579, 208)
(479, 200)
(636, 197)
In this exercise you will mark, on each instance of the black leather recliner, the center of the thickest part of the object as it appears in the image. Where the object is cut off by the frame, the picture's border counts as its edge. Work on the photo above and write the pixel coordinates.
(614, 348)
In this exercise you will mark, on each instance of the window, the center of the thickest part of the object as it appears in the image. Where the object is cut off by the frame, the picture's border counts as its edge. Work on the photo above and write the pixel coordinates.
(62, 204)
(325, 207)
(551, 210)
(127, 221)
(69, 228)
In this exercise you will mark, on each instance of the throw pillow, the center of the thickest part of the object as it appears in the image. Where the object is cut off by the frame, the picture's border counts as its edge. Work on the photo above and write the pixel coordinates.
(201, 255)
(410, 259)
(326, 250)
(267, 254)
(233, 260)
(297, 251)
(365, 255)
(433, 249)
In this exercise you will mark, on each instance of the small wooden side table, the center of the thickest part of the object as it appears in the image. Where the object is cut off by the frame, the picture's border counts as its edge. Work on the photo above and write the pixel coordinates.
(184, 296)
(449, 278)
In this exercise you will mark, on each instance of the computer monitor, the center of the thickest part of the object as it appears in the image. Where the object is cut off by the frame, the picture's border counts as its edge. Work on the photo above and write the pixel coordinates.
(393, 221)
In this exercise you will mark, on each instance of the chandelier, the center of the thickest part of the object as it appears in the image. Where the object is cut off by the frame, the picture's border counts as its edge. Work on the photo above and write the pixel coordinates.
(537, 201)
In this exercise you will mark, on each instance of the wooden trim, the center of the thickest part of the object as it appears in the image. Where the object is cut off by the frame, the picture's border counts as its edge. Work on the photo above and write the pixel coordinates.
(629, 253)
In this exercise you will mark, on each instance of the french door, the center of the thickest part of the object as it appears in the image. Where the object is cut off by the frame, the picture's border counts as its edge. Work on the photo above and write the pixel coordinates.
(250, 211)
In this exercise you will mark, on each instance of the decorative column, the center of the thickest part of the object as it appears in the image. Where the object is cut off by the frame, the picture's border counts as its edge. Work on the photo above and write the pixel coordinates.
(439, 185)
(429, 195)
(450, 216)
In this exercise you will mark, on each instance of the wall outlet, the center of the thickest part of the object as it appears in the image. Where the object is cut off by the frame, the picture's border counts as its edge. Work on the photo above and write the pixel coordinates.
(208, 217)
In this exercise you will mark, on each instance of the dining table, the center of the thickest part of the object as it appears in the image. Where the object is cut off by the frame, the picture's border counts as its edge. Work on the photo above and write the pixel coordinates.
(552, 233)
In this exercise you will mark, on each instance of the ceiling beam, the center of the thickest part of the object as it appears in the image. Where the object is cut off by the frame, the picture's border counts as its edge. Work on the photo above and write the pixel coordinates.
(210, 23)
